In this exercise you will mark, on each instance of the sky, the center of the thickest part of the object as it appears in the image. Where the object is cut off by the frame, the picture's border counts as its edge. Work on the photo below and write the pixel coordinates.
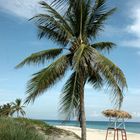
(18, 39)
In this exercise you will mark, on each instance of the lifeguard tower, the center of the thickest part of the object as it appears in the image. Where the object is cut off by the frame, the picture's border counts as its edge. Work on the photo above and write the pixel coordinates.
(116, 123)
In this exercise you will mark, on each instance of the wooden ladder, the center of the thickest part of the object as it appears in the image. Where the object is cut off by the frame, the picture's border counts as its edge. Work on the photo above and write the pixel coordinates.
(123, 132)
(116, 133)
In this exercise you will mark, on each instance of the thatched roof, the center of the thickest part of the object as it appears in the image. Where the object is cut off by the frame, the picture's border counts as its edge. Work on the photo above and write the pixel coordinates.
(116, 113)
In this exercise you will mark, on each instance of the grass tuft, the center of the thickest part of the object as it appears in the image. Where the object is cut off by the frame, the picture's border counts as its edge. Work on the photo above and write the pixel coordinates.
(11, 129)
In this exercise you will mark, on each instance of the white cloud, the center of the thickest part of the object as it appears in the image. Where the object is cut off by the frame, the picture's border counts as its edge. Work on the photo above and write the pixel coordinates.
(135, 43)
(21, 8)
(135, 26)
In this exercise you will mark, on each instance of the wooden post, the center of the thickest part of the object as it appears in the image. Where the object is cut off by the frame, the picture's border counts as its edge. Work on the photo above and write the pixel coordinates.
(117, 134)
(106, 134)
(114, 133)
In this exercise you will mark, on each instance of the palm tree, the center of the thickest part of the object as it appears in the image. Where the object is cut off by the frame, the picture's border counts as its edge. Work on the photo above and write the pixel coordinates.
(75, 30)
(18, 107)
(5, 110)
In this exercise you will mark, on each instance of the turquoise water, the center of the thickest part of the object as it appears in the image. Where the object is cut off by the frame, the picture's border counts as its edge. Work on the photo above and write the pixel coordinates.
(130, 126)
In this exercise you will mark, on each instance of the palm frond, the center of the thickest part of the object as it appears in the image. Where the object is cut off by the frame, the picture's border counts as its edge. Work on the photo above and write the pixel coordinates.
(53, 12)
(77, 57)
(48, 20)
(53, 33)
(74, 18)
(83, 57)
(97, 18)
(47, 77)
(69, 99)
(99, 3)
(18, 102)
(41, 57)
(103, 46)
(23, 113)
(62, 3)
(99, 24)
(114, 79)
(57, 16)
(116, 71)
(56, 2)
(95, 80)
(52, 25)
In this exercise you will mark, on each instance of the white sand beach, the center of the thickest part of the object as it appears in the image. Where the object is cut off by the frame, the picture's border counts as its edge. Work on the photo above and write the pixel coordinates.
(95, 134)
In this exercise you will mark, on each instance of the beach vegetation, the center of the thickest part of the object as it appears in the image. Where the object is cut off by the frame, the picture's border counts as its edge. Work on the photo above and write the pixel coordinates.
(11, 129)
(28, 129)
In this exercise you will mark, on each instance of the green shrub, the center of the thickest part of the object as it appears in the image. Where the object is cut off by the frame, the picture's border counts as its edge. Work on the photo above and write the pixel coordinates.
(11, 129)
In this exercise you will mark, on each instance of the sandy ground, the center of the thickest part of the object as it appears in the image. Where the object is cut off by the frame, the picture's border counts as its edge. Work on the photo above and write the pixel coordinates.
(93, 134)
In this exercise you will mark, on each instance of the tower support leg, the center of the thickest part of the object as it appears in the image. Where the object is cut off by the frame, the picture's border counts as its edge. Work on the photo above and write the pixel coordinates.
(106, 134)
(114, 134)
(117, 134)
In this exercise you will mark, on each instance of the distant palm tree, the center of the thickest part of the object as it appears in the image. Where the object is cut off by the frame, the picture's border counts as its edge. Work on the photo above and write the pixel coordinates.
(18, 107)
(75, 30)
(5, 110)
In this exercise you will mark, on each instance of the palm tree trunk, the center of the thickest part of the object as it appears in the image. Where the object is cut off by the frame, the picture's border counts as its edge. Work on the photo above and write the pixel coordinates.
(83, 116)
(17, 114)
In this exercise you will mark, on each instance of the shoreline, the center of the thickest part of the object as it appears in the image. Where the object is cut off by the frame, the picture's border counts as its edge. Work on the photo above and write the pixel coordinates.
(97, 134)
(69, 126)
(131, 127)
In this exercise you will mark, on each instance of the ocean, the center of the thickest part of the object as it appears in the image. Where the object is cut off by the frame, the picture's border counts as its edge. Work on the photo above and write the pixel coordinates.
(133, 127)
